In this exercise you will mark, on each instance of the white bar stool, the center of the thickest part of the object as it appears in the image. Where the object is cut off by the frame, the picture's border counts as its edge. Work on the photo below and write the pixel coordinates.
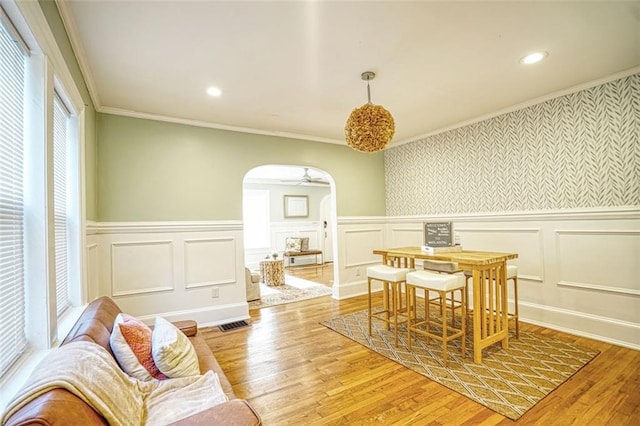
(512, 274)
(444, 267)
(444, 285)
(392, 307)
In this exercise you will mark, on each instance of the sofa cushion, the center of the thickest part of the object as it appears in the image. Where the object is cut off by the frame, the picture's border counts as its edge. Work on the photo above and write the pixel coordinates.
(131, 344)
(172, 351)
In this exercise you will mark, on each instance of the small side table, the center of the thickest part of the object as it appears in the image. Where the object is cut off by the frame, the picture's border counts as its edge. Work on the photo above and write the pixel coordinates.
(272, 272)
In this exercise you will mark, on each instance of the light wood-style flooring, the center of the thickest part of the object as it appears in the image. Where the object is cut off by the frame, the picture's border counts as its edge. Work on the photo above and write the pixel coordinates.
(295, 371)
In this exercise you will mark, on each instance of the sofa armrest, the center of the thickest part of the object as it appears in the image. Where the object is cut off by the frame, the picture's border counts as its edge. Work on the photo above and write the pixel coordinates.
(56, 407)
(236, 412)
(188, 327)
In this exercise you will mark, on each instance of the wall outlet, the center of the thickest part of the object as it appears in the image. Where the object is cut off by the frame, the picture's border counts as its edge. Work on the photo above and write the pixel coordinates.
(357, 272)
(215, 292)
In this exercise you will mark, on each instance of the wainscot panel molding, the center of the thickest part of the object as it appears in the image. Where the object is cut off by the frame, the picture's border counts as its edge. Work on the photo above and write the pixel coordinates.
(179, 270)
(610, 247)
(357, 237)
(200, 270)
(578, 269)
(92, 262)
(527, 242)
(139, 267)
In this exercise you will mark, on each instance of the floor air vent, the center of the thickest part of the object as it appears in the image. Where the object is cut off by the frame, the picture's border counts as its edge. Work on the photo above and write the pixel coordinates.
(233, 325)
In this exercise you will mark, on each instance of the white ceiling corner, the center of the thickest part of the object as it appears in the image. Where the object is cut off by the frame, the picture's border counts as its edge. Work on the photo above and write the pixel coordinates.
(293, 69)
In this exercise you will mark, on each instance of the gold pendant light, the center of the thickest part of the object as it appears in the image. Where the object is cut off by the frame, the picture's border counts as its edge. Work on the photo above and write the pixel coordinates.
(369, 128)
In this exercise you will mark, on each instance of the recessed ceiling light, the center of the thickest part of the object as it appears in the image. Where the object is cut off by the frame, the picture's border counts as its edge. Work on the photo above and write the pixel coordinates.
(214, 91)
(534, 57)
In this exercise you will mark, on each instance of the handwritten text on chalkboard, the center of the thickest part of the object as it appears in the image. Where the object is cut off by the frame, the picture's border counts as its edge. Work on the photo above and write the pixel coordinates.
(438, 234)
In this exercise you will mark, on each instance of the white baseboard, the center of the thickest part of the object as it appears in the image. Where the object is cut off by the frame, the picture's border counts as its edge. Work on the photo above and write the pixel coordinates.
(205, 317)
(352, 289)
(595, 327)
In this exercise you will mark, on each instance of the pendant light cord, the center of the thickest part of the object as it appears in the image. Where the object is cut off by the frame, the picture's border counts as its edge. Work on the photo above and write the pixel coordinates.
(368, 92)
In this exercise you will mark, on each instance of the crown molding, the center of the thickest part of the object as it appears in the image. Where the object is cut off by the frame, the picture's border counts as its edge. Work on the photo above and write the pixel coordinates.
(522, 105)
(78, 50)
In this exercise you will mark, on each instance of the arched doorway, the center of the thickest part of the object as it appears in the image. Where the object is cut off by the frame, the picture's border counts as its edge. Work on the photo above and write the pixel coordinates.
(266, 224)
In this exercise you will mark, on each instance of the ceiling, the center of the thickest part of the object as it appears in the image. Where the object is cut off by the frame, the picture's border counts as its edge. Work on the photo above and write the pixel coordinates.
(287, 175)
(292, 68)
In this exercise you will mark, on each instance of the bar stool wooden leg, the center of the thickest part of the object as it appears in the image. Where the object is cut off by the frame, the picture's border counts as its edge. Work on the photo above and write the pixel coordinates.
(396, 309)
(515, 301)
(443, 312)
(445, 287)
(392, 279)
(463, 320)
(387, 304)
(370, 313)
(411, 313)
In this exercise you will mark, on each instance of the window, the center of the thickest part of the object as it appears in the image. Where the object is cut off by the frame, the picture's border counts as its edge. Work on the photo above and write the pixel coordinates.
(255, 214)
(61, 208)
(12, 287)
(40, 181)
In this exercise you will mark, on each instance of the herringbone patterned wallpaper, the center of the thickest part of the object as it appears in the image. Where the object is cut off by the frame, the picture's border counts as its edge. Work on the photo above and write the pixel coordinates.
(575, 151)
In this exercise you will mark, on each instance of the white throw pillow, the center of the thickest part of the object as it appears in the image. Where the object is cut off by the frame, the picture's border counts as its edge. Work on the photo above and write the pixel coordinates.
(172, 351)
(130, 343)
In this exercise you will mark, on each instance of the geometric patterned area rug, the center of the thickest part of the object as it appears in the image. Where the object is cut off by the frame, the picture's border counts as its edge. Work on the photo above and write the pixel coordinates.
(293, 290)
(508, 382)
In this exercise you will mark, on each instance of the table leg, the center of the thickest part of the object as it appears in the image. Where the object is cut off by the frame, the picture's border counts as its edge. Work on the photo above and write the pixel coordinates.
(490, 320)
(502, 276)
(477, 317)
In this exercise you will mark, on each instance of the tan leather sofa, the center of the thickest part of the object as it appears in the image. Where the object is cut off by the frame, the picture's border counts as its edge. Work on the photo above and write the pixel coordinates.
(60, 407)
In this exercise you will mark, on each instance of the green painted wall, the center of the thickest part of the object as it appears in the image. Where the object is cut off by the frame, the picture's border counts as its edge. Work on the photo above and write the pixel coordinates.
(154, 171)
(50, 11)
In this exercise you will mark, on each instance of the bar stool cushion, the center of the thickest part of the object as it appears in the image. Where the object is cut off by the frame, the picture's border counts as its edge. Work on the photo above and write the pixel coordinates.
(432, 281)
(512, 272)
(440, 266)
(387, 273)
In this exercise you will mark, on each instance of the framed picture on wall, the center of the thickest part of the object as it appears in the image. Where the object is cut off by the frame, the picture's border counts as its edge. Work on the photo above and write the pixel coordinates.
(296, 206)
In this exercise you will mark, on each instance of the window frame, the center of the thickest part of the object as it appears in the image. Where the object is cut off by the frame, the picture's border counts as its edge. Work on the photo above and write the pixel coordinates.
(47, 72)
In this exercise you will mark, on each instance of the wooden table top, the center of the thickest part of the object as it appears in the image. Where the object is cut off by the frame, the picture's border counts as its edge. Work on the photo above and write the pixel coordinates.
(467, 257)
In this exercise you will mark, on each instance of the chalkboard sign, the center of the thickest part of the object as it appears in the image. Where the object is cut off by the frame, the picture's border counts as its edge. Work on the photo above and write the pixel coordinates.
(438, 234)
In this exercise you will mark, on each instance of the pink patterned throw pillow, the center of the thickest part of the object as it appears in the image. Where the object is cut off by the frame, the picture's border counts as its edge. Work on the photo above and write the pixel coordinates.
(131, 344)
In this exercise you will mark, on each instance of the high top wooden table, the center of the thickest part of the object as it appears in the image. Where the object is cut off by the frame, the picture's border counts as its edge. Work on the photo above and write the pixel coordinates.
(489, 290)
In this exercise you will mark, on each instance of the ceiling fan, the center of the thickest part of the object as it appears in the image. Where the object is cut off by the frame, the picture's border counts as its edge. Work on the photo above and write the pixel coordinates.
(307, 179)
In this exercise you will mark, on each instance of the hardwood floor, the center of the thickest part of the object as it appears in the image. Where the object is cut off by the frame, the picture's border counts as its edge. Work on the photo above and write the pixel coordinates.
(319, 274)
(295, 371)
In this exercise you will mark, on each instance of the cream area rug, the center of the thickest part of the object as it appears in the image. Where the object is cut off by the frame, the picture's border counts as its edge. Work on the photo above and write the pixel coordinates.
(293, 290)
(509, 381)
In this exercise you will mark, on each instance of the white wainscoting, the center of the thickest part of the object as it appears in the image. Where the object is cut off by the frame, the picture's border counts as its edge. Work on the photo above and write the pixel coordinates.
(357, 238)
(280, 231)
(169, 269)
(579, 270)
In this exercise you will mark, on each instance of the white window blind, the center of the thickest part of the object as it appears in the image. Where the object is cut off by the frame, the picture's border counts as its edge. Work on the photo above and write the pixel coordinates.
(60, 204)
(12, 287)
